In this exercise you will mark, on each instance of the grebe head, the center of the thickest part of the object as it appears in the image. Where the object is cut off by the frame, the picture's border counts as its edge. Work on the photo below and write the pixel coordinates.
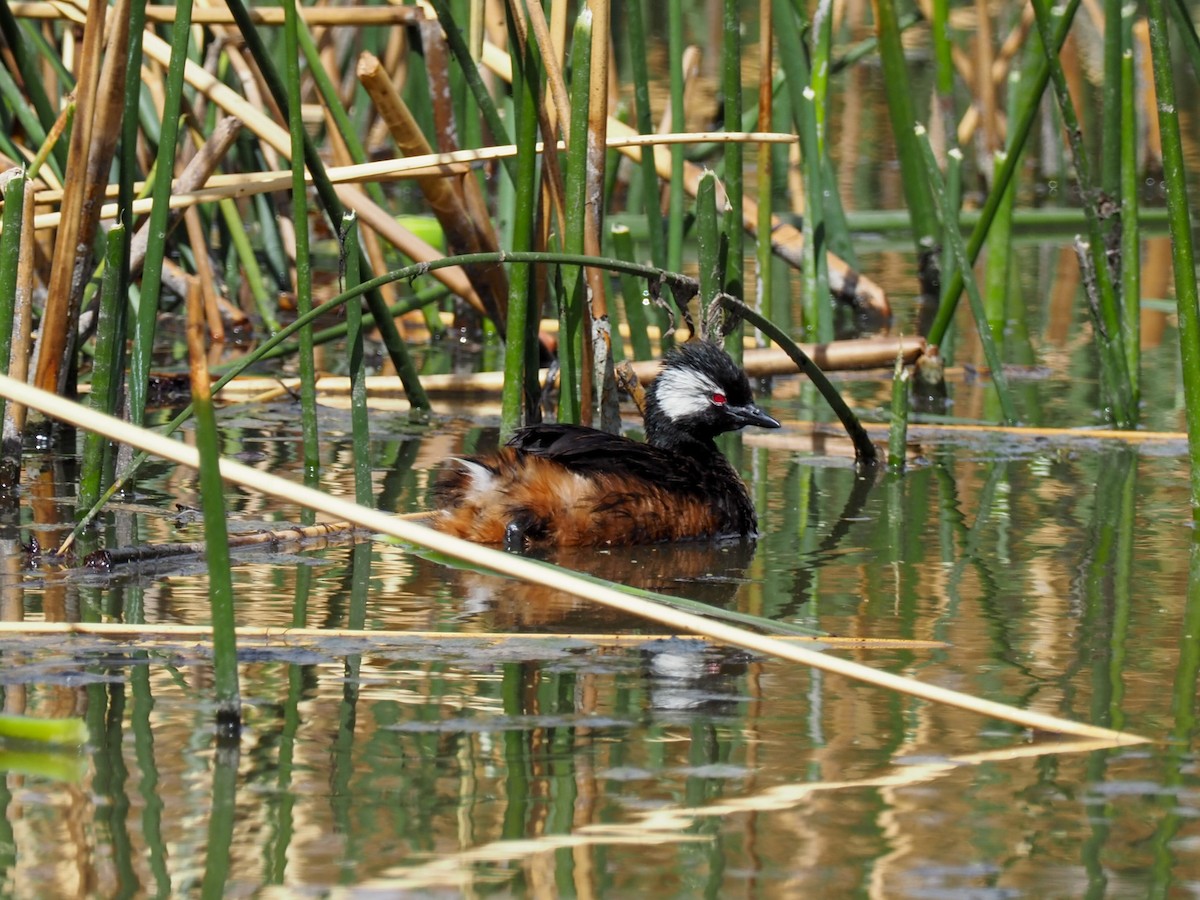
(699, 393)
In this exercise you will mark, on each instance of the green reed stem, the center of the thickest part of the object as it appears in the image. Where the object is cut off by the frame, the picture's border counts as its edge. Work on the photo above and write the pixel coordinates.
(995, 276)
(110, 338)
(147, 313)
(990, 351)
(392, 341)
(678, 124)
(864, 451)
(1175, 178)
(1110, 95)
(249, 263)
(1020, 127)
(1186, 29)
(25, 114)
(1131, 234)
(708, 244)
(304, 285)
(789, 27)
(571, 305)
(127, 163)
(28, 66)
(515, 404)
(868, 46)
(364, 493)
(397, 310)
(216, 536)
(898, 427)
(898, 90)
(735, 266)
(1106, 308)
(10, 255)
(631, 294)
(641, 99)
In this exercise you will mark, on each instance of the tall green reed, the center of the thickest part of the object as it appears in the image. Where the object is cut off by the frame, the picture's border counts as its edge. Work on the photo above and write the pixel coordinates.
(304, 282)
(1187, 297)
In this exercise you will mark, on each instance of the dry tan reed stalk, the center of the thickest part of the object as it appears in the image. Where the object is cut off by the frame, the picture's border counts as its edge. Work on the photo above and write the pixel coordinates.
(690, 66)
(553, 182)
(437, 65)
(285, 636)
(533, 572)
(73, 242)
(558, 104)
(233, 103)
(205, 279)
(787, 241)
(245, 184)
(464, 233)
(385, 225)
(193, 177)
(355, 16)
(759, 362)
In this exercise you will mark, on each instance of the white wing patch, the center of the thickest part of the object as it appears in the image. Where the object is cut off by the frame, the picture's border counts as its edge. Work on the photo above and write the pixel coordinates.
(482, 478)
(683, 392)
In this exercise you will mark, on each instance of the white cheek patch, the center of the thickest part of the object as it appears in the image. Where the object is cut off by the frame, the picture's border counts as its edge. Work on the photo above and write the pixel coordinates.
(684, 392)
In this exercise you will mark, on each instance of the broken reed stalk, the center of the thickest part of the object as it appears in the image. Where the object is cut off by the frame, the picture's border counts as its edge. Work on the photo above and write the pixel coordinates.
(898, 426)
(533, 571)
(1131, 230)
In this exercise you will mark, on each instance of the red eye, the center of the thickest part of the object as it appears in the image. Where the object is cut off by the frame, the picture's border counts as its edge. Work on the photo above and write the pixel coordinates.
(718, 398)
